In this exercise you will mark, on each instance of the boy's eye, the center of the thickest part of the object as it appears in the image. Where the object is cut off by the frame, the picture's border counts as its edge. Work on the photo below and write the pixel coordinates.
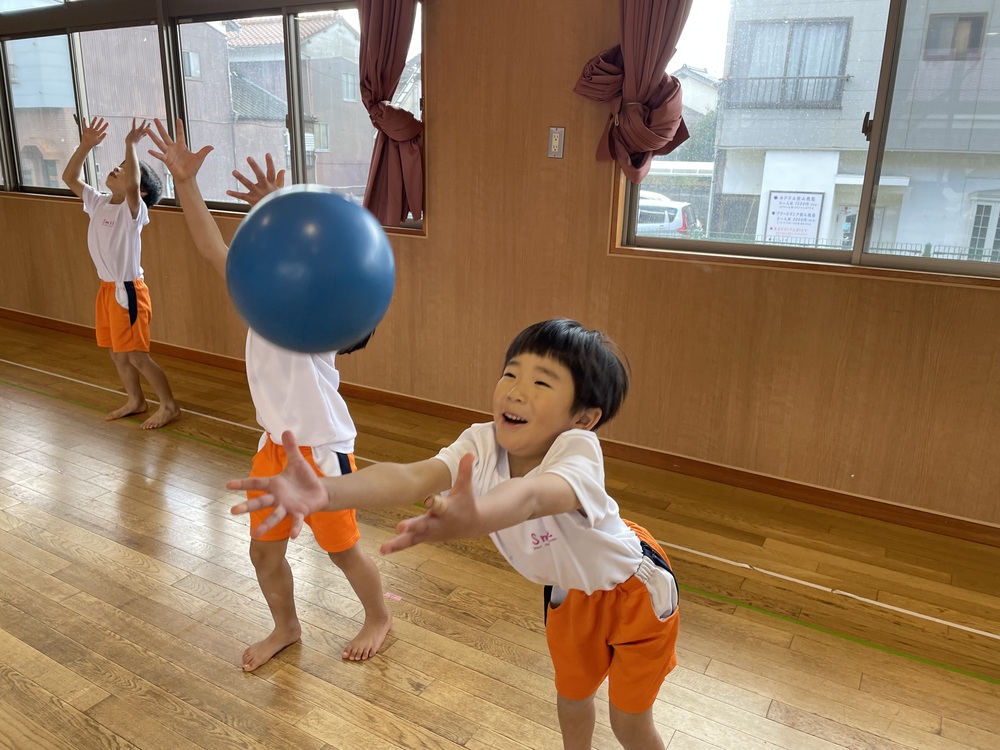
(543, 383)
(507, 375)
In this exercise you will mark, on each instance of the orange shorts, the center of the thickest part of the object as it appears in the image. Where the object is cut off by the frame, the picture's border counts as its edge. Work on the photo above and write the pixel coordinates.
(614, 634)
(116, 327)
(335, 531)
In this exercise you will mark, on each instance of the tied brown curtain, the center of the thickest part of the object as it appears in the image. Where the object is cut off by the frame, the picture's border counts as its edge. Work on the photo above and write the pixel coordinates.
(396, 178)
(645, 119)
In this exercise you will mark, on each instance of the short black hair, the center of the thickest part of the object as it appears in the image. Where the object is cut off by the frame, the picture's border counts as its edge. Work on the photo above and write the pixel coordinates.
(150, 186)
(358, 345)
(600, 376)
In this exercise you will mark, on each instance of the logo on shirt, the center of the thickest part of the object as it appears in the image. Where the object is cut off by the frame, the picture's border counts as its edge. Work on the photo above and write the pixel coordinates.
(542, 540)
(107, 223)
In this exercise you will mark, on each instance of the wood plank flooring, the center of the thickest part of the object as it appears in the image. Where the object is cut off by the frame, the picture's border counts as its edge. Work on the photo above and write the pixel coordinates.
(127, 597)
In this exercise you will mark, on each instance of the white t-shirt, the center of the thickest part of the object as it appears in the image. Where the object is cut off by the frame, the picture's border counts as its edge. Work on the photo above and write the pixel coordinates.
(113, 236)
(298, 392)
(590, 549)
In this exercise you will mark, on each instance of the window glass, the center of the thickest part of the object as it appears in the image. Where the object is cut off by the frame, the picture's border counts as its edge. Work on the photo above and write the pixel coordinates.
(774, 93)
(7, 6)
(240, 101)
(338, 132)
(43, 109)
(119, 91)
(939, 189)
(776, 162)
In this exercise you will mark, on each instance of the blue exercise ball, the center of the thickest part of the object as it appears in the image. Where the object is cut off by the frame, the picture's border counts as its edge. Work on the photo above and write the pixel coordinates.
(310, 271)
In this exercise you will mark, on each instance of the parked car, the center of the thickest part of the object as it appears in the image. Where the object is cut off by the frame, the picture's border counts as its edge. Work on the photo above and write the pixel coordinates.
(661, 217)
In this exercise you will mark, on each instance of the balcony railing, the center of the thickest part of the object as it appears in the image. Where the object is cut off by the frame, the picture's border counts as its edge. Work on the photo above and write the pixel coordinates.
(785, 92)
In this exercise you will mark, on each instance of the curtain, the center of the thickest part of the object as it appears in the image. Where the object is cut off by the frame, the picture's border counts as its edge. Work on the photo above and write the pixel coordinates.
(816, 53)
(645, 119)
(396, 178)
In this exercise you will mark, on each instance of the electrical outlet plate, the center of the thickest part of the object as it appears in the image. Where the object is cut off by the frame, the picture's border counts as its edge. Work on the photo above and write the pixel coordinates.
(556, 138)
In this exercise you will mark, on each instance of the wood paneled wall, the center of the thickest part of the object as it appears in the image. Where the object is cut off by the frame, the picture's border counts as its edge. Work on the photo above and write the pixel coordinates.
(878, 387)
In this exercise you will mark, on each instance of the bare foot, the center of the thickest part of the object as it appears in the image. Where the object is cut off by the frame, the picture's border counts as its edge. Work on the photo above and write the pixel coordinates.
(368, 640)
(131, 407)
(162, 416)
(260, 653)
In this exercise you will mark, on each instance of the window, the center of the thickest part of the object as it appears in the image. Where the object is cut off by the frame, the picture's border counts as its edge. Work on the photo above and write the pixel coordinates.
(240, 102)
(321, 136)
(335, 121)
(191, 64)
(44, 105)
(777, 165)
(954, 37)
(118, 95)
(985, 239)
(350, 81)
(789, 64)
(248, 99)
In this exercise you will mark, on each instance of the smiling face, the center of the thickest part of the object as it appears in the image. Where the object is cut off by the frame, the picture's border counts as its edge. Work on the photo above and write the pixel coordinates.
(532, 406)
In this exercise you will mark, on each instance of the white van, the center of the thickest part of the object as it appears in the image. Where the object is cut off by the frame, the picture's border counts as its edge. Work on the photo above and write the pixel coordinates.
(661, 217)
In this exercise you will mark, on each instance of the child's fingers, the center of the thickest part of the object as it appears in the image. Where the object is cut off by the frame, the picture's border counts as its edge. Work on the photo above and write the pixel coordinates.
(245, 197)
(249, 483)
(436, 504)
(269, 163)
(258, 503)
(161, 138)
(257, 171)
(271, 521)
(243, 179)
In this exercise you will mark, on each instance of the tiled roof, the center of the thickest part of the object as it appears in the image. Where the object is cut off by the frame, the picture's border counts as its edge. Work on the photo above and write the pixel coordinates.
(266, 30)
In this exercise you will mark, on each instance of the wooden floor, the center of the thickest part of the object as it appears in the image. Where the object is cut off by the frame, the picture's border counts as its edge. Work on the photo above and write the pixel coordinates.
(127, 597)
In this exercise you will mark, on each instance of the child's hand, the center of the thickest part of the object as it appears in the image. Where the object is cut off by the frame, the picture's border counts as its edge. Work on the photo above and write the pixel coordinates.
(175, 155)
(295, 492)
(93, 133)
(265, 184)
(452, 517)
(136, 134)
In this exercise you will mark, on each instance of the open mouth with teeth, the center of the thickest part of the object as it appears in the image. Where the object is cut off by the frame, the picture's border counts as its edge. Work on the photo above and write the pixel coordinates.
(511, 419)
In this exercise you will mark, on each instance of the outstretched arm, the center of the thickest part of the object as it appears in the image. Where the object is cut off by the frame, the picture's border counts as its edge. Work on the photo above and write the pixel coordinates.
(184, 165)
(90, 136)
(298, 492)
(462, 515)
(130, 167)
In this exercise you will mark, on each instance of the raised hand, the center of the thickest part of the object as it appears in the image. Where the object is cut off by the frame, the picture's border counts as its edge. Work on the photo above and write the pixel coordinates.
(94, 133)
(136, 134)
(453, 517)
(267, 182)
(175, 155)
(295, 492)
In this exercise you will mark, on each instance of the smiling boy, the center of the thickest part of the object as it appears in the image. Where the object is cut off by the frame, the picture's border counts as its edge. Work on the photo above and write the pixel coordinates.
(533, 479)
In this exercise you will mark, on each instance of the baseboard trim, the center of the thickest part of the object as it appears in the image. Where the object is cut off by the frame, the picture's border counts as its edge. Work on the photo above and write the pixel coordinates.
(902, 515)
(155, 347)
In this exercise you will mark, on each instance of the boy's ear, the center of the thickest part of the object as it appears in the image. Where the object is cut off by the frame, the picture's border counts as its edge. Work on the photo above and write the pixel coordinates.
(587, 418)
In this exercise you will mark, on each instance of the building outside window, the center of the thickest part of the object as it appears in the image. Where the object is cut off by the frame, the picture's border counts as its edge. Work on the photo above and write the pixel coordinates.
(778, 166)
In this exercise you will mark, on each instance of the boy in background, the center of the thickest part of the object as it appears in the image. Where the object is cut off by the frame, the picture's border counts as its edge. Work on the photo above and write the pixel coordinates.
(290, 390)
(123, 309)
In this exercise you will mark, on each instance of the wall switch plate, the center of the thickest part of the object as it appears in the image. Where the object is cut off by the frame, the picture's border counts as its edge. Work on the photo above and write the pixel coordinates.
(556, 138)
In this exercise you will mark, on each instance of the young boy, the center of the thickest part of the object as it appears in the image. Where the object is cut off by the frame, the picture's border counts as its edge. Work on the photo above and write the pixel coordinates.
(290, 391)
(533, 479)
(123, 308)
